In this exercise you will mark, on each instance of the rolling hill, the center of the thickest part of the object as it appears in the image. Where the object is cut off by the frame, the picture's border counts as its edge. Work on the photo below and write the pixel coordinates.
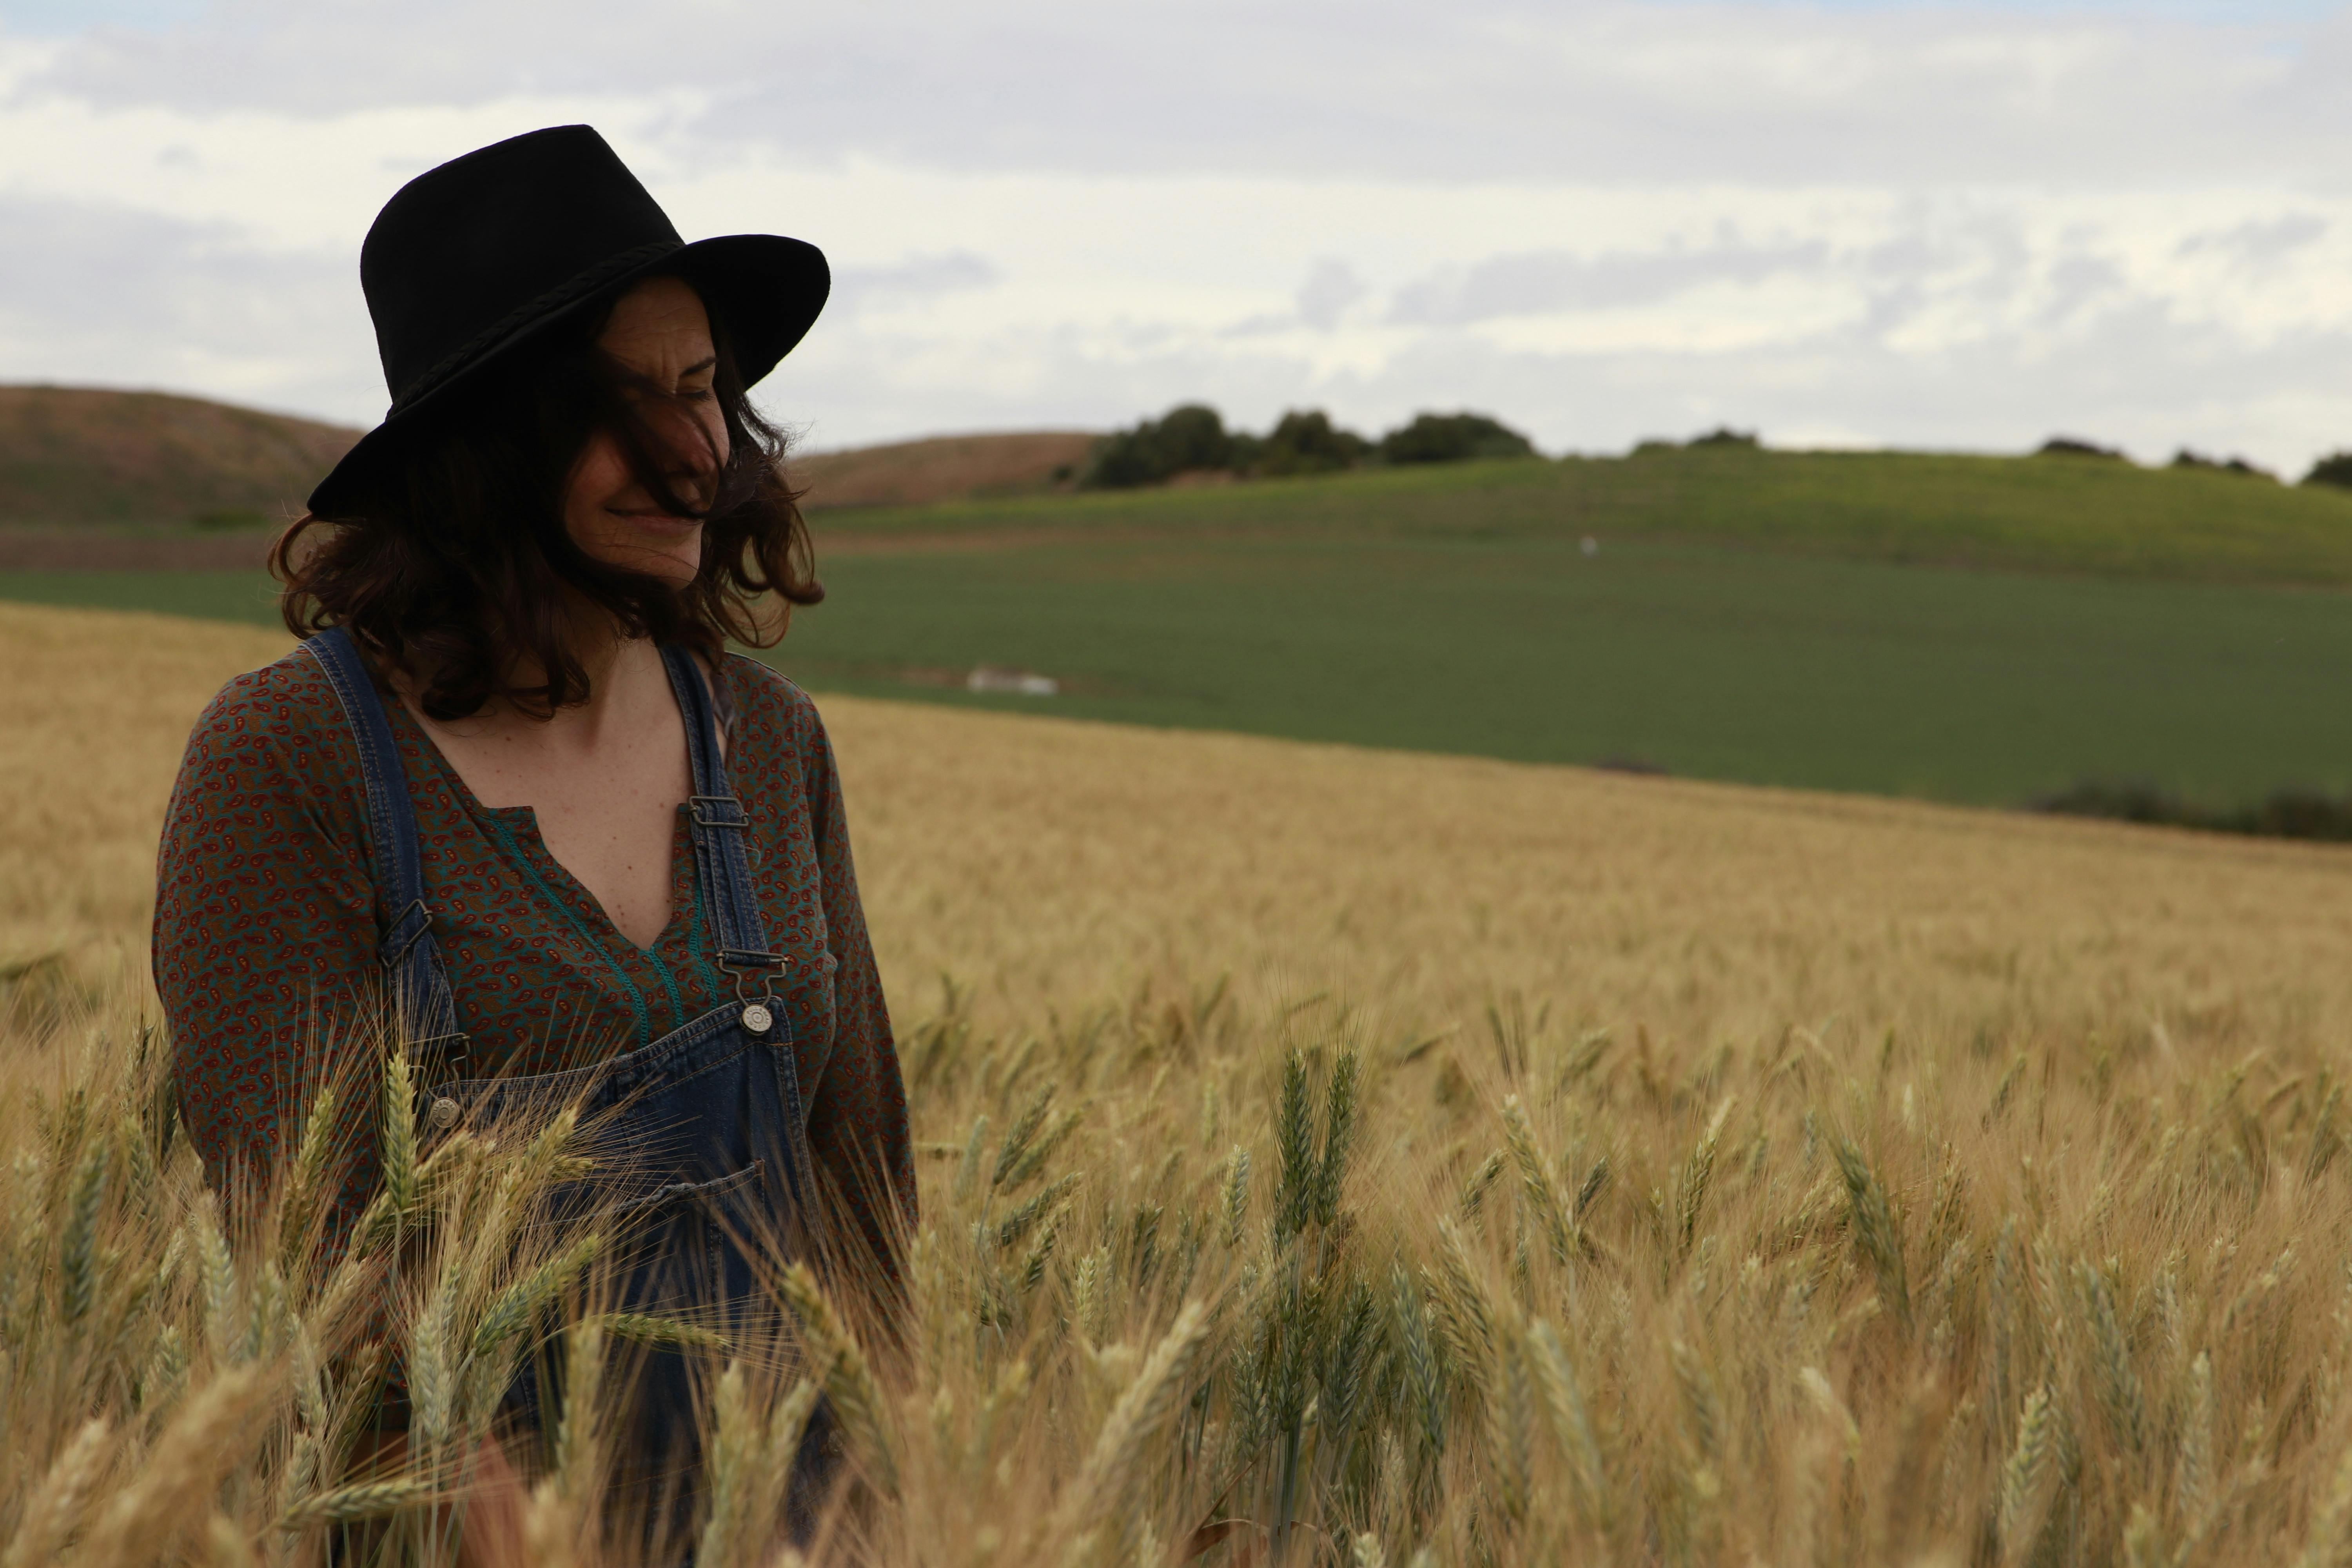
(942, 469)
(78, 456)
(71, 457)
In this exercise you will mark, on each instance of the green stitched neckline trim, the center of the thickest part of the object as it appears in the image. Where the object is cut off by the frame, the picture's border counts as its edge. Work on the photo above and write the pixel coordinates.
(677, 1008)
(636, 997)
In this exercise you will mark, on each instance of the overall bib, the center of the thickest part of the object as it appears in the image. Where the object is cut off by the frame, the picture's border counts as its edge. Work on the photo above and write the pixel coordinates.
(707, 1121)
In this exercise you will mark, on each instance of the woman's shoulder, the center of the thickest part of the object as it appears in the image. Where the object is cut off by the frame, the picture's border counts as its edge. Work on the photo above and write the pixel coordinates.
(291, 691)
(286, 707)
(764, 700)
(777, 732)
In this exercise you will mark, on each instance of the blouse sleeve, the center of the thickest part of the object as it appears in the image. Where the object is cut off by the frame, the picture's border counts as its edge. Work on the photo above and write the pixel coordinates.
(858, 1131)
(264, 924)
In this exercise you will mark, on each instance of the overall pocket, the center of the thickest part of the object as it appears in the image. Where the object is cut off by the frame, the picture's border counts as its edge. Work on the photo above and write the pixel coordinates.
(681, 1247)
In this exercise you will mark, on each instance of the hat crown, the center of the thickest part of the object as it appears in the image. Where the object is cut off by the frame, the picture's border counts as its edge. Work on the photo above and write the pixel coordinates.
(465, 251)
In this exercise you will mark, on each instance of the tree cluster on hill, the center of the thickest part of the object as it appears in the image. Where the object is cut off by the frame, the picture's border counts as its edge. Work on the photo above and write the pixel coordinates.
(2185, 459)
(2075, 447)
(1723, 438)
(2336, 469)
(1192, 438)
(2282, 813)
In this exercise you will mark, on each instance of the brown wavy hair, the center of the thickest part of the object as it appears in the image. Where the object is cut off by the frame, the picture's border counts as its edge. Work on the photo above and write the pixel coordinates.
(455, 567)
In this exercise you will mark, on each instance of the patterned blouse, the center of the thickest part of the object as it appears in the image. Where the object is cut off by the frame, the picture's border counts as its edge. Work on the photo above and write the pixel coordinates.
(266, 929)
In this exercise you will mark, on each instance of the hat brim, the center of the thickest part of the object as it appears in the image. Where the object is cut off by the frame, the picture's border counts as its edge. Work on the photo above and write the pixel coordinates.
(763, 290)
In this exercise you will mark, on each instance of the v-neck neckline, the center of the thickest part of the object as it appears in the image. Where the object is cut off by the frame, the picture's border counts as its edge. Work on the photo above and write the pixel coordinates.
(520, 822)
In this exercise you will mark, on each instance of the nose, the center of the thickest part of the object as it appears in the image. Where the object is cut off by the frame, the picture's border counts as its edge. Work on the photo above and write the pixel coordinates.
(694, 449)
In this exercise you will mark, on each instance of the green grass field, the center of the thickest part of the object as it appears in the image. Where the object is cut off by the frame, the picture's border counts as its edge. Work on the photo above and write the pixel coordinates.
(2064, 515)
(1706, 661)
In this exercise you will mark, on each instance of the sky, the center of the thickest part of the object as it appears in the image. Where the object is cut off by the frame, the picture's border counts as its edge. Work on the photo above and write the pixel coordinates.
(1965, 226)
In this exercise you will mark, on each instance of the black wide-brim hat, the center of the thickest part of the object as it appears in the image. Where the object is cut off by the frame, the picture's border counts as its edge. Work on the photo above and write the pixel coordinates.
(470, 261)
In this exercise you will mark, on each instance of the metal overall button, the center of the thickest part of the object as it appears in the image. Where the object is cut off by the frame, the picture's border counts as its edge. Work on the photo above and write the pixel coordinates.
(444, 1113)
(759, 1015)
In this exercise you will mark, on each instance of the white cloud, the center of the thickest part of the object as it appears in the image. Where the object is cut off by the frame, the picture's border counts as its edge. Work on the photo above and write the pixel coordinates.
(1957, 227)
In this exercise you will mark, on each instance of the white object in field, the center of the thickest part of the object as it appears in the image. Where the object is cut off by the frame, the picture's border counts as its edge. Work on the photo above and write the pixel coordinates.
(1591, 546)
(1020, 682)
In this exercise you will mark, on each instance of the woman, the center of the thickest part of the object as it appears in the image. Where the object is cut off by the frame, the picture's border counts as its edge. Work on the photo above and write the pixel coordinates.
(511, 778)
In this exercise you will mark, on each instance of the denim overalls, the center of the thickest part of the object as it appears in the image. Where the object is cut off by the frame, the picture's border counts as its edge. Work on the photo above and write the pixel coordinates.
(707, 1120)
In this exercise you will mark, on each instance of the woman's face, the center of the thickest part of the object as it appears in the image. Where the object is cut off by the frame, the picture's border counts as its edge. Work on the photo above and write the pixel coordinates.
(658, 331)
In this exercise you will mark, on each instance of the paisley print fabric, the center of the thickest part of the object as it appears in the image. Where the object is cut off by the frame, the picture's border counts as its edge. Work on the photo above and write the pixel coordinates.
(266, 931)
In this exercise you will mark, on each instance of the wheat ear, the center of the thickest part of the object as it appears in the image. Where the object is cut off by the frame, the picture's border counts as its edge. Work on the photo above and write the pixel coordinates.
(841, 1370)
(1159, 1389)
(57, 1508)
(730, 1460)
(198, 1446)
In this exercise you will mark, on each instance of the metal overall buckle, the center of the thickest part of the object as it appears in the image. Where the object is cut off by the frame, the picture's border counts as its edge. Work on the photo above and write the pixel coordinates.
(758, 1013)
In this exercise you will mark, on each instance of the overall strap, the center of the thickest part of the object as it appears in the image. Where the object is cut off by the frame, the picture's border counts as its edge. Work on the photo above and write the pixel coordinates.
(717, 821)
(420, 986)
(718, 826)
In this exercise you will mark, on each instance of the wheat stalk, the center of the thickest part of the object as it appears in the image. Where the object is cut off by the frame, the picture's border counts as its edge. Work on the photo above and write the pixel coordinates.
(2025, 1479)
(1472, 1198)
(225, 1331)
(229, 1544)
(2118, 1381)
(515, 1306)
(577, 1454)
(1534, 1181)
(1011, 1154)
(1017, 1224)
(196, 1448)
(363, 1499)
(1111, 1467)
(1874, 1228)
(1698, 1173)
(1341, 1110)
(1510, 1431)
(305, 1181)
(771, 1480)
(1572, 1426)
(1699, 1400)
(56, 1509)
(731, 1456)
(2194, 1470)
(1298, 1170)
(653, 1328)
(968, 1168)
(78, 1248)
(2329, 1544)
(396, 1148)
(1463, 1310)
(433, 1367)
(841, 1369)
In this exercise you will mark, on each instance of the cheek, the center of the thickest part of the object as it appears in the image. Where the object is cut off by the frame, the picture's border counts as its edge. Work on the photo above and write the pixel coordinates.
(597, 478)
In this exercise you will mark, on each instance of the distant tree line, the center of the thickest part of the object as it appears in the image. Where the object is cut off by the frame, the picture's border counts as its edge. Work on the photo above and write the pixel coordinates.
(1722, 437)
(1192, 438)
(2336, 469)
(2283, 814)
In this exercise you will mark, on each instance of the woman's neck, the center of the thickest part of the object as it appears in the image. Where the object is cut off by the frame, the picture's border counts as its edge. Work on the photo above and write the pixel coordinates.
(622, 675)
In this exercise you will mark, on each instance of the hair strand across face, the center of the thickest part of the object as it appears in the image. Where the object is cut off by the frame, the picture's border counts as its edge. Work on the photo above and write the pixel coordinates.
(456, 570)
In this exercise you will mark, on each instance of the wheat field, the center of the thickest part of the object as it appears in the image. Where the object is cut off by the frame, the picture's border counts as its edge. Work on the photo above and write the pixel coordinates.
(1328, 1157)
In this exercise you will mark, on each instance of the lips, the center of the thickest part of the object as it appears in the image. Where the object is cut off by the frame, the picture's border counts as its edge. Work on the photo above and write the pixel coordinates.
(653, 522)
